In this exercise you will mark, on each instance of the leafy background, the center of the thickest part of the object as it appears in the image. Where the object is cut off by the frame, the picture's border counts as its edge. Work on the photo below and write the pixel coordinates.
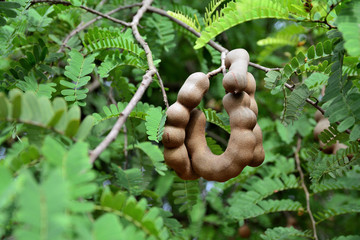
(67, 74)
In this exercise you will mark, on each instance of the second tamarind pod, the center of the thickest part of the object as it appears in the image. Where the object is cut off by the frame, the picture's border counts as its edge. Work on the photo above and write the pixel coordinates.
(259, 153)
(239, 152)
(318, 116)
(178, 159)
(338, 146)
(178, 115)
(237, 61)
(321, 126)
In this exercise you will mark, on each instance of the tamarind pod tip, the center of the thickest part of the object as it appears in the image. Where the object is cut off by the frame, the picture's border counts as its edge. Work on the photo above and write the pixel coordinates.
(193, 90)
(236, 54)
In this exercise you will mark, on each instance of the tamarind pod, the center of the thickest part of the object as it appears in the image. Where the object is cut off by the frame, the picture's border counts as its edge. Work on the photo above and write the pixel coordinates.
(178, 159)
(259, 153)
(321, 126)
(239, 151)
(338, 146)
(250, 89)
(193, 90)
(318, 116)
(237, 61)
(178, 115)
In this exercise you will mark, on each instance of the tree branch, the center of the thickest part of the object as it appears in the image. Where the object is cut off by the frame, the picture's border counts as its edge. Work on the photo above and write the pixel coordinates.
(85, 8)
(147, 79)
(307, 195)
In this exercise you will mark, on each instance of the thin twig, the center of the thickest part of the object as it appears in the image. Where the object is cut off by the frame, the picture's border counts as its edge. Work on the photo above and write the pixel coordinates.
(163, 90)
(307, 195)
(85, 8)
(147, 79)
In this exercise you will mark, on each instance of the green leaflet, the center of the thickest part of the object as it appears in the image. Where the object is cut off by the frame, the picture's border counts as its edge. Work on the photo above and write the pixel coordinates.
(238, 12)
(294, 103)
(155, 154)
(134, 212)
(348, 22)
(154, 123)
(102, 38)
(76, 71)
(7, 10)
(284, 233)
(130, 179)
(186, 193)
(41, 112)
(42, 208)
(328, 213)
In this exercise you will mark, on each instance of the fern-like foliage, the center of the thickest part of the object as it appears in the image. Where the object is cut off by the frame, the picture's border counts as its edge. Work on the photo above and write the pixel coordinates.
(41, 112)
(70, 171)
(343, 209)
(140, 111)
(345, 182)
(155, 123)
(190, 21)
(135, 213)
(294, 104)
(7, 10)
(211, 13)
(289, 35)
(155, 155)
(214, 147)
(131, 179)
(102, 38)
(241, 11)
(35, 66)
(164, 31)
(282, 233)
(212, 117)
(300, 63)
(331, 135)
(77, 71)
(243, 212)
(348, 23)
(186, 193)
(334, 165)
(350, 237)
(250, 204)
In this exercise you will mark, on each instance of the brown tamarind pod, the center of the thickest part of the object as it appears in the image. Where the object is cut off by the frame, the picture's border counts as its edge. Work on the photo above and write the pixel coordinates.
(259, 153)
(321, 126)
(240, 149)
(237, 61)
(178, 115)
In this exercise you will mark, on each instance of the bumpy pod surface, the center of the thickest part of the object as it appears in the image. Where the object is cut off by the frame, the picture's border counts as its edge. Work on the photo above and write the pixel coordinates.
(237, 61)
(240, 150)
(178, 115)
(186, 150)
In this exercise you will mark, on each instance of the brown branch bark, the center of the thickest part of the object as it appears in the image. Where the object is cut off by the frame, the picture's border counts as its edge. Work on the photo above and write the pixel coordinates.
(147, 79)
(303, 185)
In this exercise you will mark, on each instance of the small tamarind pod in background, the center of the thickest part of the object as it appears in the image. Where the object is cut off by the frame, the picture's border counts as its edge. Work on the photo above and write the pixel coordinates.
(237, 61)
(239, 152)
(178, 115)
(323, 123)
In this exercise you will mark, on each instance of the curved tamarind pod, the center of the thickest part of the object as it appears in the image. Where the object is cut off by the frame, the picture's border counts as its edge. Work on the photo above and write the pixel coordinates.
(178, 115)
(237, 61)
(239, 151)
(259, 153)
